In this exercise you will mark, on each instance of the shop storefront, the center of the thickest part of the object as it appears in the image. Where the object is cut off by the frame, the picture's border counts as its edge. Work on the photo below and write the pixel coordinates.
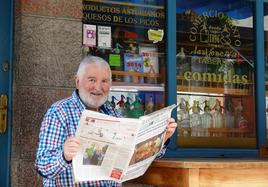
(206, 57)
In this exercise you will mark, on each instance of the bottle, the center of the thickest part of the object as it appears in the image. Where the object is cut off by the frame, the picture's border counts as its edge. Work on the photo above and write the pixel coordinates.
(149, 107)
(242, 123)
(206, 119)
(113, 101)
(121, 104)
(229, 119)
(136, 108)
(181, 55)
(195, 119)
(217, 116)
(127, 107)
(183, 117)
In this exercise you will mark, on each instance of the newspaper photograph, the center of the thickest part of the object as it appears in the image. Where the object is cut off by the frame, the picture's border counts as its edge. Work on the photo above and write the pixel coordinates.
(118, 149)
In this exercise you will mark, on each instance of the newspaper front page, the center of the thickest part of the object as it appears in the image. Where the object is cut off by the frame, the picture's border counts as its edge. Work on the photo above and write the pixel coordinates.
(118, 149)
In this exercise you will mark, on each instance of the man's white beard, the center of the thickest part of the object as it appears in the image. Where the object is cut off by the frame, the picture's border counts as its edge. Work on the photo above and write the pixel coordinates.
(89, 101)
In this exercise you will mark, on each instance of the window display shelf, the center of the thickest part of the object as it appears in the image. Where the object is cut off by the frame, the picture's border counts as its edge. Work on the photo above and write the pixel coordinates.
(215, 90)
(211, 112)
(213, 87)
(209, 132)
(137, 74)
(135, 87)
(136, 99)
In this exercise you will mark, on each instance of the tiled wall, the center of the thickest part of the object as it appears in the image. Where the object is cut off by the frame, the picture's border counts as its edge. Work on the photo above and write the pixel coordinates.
(47, 50)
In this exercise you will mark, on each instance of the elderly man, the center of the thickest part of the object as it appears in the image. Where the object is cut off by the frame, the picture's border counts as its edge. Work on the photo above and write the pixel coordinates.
(57, 144)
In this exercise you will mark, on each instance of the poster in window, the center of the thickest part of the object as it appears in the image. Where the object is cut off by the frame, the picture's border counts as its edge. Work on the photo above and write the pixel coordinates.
(133, 63)
(89, 35)
(150, 58)
(104, 37)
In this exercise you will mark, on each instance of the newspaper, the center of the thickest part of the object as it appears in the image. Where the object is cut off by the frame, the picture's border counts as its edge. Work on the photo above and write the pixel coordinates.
(118, 149)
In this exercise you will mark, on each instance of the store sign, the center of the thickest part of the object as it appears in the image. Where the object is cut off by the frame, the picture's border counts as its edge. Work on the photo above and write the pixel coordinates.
(216, 41)
(221, 33)
(112, 12)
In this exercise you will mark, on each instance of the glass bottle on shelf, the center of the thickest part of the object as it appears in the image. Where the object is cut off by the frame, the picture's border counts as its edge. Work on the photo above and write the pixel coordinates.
(240, 120)
(217, 116)
(229, 119)
(206, 119)
(183, 117)
(181, 55)
(113, 101)
(136, 108)
(127, 107)
(195, 119)
(121, 104)
(238, 112)
(149, 107)
(117, 48)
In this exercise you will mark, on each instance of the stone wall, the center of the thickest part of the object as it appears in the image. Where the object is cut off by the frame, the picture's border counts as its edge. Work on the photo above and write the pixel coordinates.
(47, 49)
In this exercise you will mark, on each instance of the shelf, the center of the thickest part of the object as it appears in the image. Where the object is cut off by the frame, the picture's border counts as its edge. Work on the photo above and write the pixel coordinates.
(206, 87)
(136, 74)
(151, 82)
(135, 87)
(214, 90)
(230, 132)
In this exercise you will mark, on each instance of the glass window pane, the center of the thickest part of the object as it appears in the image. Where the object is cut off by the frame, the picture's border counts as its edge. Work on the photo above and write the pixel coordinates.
(129, 35)
(215, 74)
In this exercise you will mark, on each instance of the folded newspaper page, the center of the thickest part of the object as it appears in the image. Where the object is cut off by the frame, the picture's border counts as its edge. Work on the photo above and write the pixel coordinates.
(118, 149)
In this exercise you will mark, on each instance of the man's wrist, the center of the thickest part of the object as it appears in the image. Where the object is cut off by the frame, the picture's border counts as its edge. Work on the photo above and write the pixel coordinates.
(68, 162)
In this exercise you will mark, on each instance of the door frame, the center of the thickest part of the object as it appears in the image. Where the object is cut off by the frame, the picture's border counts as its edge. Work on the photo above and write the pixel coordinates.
(6, 55)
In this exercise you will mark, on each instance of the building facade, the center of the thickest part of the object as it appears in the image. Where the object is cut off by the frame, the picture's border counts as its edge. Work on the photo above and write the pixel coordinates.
(208, 58)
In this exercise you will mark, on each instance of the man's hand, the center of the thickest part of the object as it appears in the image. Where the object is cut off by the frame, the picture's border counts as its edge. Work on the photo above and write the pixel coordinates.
(171, 127)
(70, 148)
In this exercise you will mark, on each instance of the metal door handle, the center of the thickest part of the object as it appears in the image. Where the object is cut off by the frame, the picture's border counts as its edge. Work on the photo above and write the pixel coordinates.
(3, 113)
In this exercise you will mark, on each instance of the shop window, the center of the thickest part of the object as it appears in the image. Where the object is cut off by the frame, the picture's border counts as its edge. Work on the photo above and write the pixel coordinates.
(215, 74)
(130, 36)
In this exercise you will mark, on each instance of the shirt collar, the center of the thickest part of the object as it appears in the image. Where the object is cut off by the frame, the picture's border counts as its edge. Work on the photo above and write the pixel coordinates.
(78, 101)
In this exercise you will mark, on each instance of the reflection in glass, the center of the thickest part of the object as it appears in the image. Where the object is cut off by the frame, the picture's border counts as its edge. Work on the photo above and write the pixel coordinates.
(215, 74)
(129, 35)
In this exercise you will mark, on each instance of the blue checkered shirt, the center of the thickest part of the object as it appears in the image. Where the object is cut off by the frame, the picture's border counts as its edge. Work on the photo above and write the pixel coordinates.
(60, 122)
